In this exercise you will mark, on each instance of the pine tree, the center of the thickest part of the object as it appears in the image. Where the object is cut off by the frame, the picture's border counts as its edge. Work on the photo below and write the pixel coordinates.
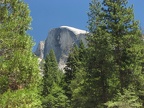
(114, 62)
(19, 72)
(74, 75)
(99, 61)
(50, 74)
(52, 93)
(70, 69)
(93, 15)
(126, 40)
(77, 84)
(56, 98)
(128, 99)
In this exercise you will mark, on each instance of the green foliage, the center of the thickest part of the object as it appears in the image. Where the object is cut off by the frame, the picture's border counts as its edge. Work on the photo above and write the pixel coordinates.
(128, 55)
(128, 99)
(22, 98)
(99, 72)
(93, 15)
(75, 75)
(19, 72)
(51, 73)
(53, 95)
(114, 63)
(56, 98)
(70, 70)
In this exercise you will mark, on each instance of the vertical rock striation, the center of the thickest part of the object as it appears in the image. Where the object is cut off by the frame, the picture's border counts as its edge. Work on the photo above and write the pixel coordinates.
(40, 50)
(61, 40)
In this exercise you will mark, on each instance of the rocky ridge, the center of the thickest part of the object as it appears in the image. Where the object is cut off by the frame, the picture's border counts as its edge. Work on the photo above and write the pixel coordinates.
(61, 40)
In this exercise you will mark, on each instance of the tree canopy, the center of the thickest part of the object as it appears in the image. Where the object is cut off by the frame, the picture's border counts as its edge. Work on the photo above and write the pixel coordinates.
(19, 72)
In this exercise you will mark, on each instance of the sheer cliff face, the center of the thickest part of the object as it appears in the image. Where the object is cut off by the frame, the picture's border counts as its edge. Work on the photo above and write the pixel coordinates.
(61, 40)
(40, 50)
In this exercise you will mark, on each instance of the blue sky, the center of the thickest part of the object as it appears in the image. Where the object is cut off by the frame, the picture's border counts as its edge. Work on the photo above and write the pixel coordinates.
(48, 14)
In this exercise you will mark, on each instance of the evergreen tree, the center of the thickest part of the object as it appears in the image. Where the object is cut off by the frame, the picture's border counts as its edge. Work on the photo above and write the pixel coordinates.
(128, 55)
(99, 62)
(50, 74)
(19, 73)
(128, 99)
(77, 84)
(94, 15)
(74, 75)
(114, 62)
(52, 93)
(70, 69)
(56, 98)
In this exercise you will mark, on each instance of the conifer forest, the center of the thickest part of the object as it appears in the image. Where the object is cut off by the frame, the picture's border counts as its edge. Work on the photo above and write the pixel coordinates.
(106, 73)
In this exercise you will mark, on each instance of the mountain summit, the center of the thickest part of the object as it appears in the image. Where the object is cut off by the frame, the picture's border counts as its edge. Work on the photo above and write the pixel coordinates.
(61, 40)
(74, 30)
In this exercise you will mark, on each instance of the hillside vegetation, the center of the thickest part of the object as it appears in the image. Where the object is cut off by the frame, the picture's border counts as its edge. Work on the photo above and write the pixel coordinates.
(108, 73)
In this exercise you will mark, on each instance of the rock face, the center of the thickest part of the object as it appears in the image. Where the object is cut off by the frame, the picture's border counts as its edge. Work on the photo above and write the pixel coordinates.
(61, 40)
(40, 50)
